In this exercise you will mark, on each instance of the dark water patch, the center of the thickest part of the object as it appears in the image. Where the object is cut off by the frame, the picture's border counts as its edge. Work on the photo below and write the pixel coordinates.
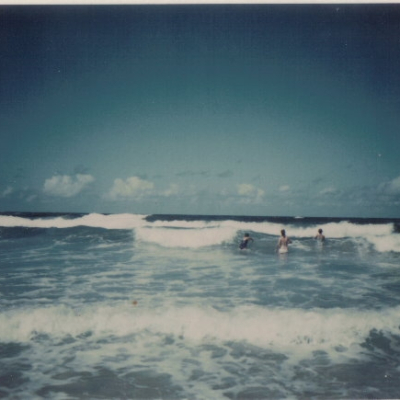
(12, 233)
(105, 384)
(66, 341)
(42, 215)
(12, 379)
(14, 290)
(87, 235)
(257, 393)
(94, 297)
(149, 384)
(332, 299)
(389, 346)
(122, 276)
(216, 351)
(41, 338)
(240, 350)
(172, 276)
(364, 380)
(393, 287)
(226, 383)
(11, 350)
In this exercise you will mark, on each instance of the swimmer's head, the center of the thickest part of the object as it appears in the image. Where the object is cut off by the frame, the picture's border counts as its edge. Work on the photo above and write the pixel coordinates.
(319, 230)
(283, 233)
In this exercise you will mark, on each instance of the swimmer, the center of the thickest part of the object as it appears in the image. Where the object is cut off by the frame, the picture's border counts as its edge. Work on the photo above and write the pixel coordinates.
(283, 242)
(245, 241)
(320, 236)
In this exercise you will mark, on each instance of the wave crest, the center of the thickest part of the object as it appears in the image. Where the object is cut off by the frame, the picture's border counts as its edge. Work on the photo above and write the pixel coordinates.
(187, 237)
(278, 329)
(207, 232)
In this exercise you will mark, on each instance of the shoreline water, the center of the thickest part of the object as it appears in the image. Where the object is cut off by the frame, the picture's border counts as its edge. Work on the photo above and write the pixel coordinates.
(127, 306)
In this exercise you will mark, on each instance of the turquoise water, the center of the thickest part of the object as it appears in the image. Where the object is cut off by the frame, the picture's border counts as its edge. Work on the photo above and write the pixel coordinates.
(167, 307)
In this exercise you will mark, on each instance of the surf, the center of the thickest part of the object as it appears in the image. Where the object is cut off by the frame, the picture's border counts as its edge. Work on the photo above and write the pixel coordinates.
(186, 237)
(172, 302)
(292, 331)
(201, 231)
(112, 221)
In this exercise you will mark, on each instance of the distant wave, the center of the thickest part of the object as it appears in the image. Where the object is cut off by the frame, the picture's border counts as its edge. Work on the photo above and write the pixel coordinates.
(208, 232)
(113, 221)
(189, 238)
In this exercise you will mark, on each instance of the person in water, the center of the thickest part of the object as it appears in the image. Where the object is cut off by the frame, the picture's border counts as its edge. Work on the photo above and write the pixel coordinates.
(245, 241)
(320, 236)
(283, 242)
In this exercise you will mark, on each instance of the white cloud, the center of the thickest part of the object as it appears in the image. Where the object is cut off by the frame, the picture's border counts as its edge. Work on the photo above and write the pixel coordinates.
(245, 189)
(328, 191)
(250, 192)
(7, 191)
(31, 198)
(171, 191)
(65, 185)
(392, 187)
(132, 187)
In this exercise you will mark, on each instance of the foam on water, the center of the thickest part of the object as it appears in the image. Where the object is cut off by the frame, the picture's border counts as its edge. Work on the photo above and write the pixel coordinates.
(171, 308)
(115, 221)
(187, 237)
(282, 330)
(207, 233)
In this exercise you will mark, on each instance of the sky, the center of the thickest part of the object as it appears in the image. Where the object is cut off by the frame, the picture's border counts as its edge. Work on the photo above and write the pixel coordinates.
(268, 109)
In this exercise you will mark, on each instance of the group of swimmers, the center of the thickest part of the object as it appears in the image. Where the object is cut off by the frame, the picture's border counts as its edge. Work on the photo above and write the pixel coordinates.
(283, 242)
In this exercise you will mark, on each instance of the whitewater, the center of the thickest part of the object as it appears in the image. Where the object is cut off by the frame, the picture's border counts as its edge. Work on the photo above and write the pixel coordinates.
(127, 306)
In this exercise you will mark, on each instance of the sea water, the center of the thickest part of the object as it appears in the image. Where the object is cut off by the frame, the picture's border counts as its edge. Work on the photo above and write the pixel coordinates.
(168, 307)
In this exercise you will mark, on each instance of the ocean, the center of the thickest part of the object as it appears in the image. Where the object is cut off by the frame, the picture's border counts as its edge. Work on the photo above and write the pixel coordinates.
(125, 306)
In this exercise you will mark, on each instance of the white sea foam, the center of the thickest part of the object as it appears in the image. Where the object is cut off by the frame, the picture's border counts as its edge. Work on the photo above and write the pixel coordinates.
(341, 229)
(207, 324)
(199, 233)
(193, 238)
(281, 330)
(115, 221)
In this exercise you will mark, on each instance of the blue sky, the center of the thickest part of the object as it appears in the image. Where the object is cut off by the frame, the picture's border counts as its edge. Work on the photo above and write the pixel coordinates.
(201, 109)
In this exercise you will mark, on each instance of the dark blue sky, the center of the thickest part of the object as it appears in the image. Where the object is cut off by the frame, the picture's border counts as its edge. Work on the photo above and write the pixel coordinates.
(201, 109)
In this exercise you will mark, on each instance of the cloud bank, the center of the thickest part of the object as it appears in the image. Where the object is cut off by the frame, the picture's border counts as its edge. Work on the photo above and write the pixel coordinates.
(65, 185)
(392, 187)
(132, 187)
(250, 193)
(6, 192)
